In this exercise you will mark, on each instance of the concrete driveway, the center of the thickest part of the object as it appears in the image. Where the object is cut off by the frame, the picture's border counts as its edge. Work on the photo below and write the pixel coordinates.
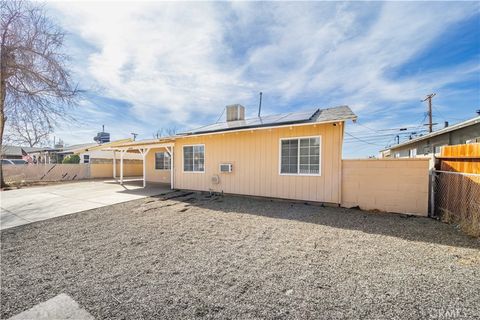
(32, 204)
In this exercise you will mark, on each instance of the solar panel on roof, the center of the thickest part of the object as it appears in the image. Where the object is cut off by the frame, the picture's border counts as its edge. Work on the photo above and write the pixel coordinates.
(331, 114)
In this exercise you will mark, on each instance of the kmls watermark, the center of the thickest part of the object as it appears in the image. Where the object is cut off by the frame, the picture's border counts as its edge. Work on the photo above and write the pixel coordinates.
(447, 313)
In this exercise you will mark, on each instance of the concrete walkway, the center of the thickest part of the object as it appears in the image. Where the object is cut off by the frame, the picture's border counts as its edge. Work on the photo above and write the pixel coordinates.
(59, 307)
(32, 204)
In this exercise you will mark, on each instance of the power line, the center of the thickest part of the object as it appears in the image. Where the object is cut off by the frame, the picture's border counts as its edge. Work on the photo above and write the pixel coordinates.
(364, 141)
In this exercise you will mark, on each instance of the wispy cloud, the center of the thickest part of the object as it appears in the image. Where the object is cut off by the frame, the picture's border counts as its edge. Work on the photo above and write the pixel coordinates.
(180, 63)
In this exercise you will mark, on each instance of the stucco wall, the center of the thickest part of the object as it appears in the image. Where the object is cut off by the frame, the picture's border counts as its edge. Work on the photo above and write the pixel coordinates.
(255, 158)
(393, 185)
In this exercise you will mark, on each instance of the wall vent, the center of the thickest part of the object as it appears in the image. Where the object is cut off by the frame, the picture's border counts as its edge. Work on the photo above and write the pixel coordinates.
(215, 179)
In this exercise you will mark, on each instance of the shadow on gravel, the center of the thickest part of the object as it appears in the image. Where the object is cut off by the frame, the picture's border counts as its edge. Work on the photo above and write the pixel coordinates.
(405, 227)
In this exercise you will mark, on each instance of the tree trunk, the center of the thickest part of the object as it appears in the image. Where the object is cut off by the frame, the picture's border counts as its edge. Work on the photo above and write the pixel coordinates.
(3, 92)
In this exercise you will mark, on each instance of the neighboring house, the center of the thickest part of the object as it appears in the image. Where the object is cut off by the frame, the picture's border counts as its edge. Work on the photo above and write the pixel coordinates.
(40, 154)
(430, 144)
(87, 156)
(57, 154)
(294, 155)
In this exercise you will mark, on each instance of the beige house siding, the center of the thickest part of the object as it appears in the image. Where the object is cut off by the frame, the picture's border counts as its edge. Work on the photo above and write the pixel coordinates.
(154, 175)
(393, 185)
(254, 155)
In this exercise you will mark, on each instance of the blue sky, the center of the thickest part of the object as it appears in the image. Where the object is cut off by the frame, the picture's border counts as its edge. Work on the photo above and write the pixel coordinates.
(150, 66)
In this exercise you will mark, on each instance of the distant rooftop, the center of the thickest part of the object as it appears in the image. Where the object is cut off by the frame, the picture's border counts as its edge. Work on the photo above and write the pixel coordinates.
(17, 150)
(75, 147)
(340, 113)
(466, 123)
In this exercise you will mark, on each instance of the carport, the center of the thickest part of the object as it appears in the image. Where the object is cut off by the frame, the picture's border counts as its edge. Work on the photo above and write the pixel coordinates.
(143, 147)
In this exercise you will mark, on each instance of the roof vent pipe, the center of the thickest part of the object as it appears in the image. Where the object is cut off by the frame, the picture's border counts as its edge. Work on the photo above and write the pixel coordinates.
(235, 112)
(446, 124)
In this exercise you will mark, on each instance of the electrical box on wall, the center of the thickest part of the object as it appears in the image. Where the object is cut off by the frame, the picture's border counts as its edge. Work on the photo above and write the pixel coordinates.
(226, 167)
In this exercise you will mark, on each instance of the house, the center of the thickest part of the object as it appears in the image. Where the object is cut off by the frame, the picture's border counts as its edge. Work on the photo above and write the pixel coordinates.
(87, 155)
(39, 154)
(430, 144)
(295, 155)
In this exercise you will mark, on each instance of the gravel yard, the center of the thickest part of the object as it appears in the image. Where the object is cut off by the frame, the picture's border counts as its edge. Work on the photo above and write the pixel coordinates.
(232, 257)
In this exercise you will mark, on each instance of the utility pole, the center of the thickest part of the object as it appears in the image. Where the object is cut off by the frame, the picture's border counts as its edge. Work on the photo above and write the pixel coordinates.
(430, 116)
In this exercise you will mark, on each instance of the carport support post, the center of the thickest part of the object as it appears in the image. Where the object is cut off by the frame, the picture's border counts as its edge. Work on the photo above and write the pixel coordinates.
(114, 165)
(122, 153)
(170, 152)
(144, 153)
(171, 168)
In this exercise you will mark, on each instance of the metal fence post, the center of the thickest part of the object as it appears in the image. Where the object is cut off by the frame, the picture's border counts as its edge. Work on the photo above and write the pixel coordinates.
(432, 194)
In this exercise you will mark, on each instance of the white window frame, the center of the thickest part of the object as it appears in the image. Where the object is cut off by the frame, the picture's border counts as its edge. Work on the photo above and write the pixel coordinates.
(169, 160)
(412, 153)
(87, 160)
(298, 157)
(438, 146)
(204, 157)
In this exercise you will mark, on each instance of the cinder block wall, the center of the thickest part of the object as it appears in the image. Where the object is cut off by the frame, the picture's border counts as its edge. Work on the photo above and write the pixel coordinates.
(105, 170)
(392, 185)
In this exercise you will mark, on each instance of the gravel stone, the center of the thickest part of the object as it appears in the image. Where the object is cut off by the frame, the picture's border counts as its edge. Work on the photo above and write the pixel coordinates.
(214, 257)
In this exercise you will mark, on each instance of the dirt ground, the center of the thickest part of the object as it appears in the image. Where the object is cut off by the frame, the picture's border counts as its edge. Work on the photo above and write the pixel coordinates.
(233, 257)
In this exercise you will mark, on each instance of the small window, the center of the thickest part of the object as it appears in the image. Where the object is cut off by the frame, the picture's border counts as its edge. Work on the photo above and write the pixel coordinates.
(300, 156)
(396, 155)
(194, 158)
(162, 161)
(412, 153)
(427, 150)
(438, 149)
(86, 158)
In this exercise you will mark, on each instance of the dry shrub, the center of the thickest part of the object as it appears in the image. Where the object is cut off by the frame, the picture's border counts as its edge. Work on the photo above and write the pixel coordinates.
(469, 223)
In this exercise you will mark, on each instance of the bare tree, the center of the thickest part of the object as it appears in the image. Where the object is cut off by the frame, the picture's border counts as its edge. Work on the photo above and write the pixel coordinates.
(28, 131)
(35, 84)
(165, 132)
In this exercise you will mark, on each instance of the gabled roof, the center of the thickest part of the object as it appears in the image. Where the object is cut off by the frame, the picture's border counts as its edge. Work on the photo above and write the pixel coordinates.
(341, 113)
(17, 150)
(80, 146)
(460, 125)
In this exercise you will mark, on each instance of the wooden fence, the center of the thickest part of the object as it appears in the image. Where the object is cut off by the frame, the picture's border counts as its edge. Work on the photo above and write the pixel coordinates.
(457, 186)
(463, 158)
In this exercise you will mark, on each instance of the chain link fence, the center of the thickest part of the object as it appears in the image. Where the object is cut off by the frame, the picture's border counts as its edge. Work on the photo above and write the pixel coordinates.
(456, 199)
